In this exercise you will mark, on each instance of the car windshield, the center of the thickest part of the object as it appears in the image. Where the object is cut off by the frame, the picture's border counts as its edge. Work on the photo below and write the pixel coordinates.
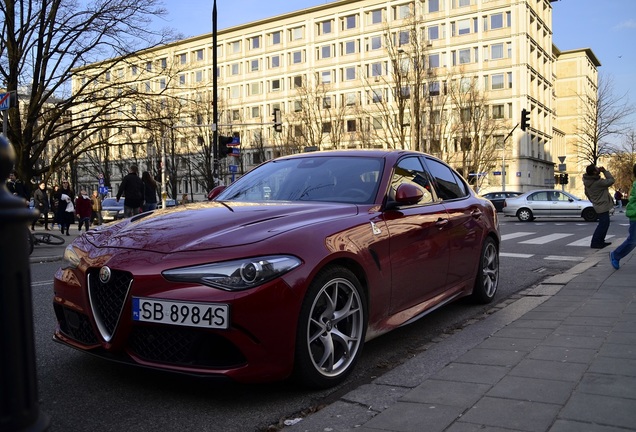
(328, 179)
(112, 202)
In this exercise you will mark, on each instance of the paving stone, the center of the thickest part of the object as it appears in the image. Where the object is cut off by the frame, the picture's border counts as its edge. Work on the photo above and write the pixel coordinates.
(609, 385)
(492, 357)
(414, 417)
(609, 365)
(570, 355)
(512, 414)
(610, 411)
(549, 370)
(450, 393)
(472, 373)
(533, 389)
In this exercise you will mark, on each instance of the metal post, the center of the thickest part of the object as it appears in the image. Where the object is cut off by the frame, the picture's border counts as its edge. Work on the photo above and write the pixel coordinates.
(19, 410)
(215, 108)
(503, 159)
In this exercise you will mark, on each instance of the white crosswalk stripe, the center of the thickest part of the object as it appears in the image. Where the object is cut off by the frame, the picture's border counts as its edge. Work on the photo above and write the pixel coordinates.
(545, 239)
(515, 235)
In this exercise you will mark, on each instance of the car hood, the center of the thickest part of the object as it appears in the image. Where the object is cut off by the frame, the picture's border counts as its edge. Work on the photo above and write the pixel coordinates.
(213, 225)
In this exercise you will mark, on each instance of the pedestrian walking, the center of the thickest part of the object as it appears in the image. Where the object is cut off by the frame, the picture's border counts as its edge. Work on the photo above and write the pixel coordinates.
(151, 191)
(16, 187)
(96, 209)
(630, 242)
(132, 188)
(42, 203)
(597, 191)
(83, 210)
(618, 196)
(66, 208)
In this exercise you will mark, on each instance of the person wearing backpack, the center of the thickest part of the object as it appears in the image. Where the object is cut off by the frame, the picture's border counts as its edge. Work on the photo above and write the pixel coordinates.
(132, 188)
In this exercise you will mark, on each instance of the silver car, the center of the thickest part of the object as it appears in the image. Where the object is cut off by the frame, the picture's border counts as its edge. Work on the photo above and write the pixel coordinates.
(548, 203)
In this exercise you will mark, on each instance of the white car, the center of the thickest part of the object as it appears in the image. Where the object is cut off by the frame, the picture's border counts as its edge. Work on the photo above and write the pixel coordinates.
(548, 203)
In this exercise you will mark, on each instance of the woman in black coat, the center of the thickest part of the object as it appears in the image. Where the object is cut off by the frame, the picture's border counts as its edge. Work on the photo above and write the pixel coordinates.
(66, 209)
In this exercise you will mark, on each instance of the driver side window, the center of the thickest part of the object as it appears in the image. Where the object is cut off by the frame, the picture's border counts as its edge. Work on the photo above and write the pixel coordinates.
(410, 170)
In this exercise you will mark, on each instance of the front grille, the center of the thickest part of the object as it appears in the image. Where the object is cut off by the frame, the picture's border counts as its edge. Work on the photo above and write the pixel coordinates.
(75, 325)
(184, 347)
(107, 299)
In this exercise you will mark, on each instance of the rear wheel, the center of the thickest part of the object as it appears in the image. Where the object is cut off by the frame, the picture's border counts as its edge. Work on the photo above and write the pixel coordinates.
(48, 238)
(525, 215)
(331, 328)
(487, 279)
(589, 214)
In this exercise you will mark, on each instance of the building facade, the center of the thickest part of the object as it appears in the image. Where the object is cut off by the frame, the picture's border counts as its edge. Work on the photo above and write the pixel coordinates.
(448, 77)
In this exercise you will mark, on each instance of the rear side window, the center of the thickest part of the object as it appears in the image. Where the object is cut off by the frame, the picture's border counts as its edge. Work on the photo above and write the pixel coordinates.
(449, 184)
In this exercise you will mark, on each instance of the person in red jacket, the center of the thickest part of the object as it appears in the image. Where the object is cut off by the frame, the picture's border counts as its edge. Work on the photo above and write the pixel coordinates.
(83, 209)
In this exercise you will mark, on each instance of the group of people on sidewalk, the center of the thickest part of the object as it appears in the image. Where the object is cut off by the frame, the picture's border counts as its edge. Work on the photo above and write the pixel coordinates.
(597, 191)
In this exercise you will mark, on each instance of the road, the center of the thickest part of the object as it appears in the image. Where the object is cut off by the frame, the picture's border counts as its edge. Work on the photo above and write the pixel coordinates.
(83, 393)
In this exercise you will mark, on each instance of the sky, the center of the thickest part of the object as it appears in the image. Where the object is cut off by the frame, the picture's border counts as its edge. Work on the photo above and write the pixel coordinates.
(608, 27)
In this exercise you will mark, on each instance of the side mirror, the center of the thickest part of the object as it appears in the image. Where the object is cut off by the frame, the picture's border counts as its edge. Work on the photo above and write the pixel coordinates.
(408, 194)
(215, 192)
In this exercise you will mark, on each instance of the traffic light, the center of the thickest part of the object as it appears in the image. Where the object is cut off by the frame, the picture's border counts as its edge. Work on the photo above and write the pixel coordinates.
(278, 121)
(229, 144)
(525, 119)
(565, 179)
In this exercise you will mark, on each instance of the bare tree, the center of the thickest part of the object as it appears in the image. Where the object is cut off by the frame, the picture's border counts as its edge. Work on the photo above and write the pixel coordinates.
(43, 44)
(604, 116)
(622, 162)
(473, 128)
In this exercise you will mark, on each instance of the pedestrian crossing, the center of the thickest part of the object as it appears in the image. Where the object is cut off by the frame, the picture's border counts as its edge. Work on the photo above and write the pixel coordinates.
(534, 239)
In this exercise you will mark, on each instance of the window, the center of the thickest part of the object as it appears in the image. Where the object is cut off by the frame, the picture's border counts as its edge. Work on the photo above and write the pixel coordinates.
(509, 76)
(403, 11)
(133, 70)
(433, 32)
(376, 96)
(255, 42)
(463, 27)
(405, 92)
(325, 51)
(255, 65)
(297, 57)
(352, 125)
(449, 185)
(325, 77)
(199, 54)
(375, 43)
(464, 56)
(351, 99)
(375, 16)
(255, 88)
(298, 106)
(375, 69)
(498, 111)
(326, 127)
(433, 61)
(350, 73)
(162, 83)
(164, 63)
(433, 88)
(274, 61)
(497, 81)
(326, 102)
(325, 27)
(350, 47)
(235, 69)
(376, 123)
(403, 37)
(462, 3)
(255, 112)
(183, 58)
(433, 5)
(465, 114)
(276, 85)
(198, 76)
(298, 81)
(235, 92)
(496, 21)
(149, 66)
(276, 38)
(349, 22)
(410, 171)
(182, 79)
(496, 51)
(296, 33)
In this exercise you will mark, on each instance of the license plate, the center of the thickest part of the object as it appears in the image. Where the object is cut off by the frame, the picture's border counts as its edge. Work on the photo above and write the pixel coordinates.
(208, 315)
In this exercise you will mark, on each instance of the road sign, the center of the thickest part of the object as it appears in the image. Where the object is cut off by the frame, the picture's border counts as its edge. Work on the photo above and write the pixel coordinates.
(233, 168)
(5, 101)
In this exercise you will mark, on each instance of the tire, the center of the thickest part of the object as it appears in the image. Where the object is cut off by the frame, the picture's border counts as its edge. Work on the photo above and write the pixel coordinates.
(525, 215)
(47, 238)
(487, 280)
(331, 329)
(589, 214)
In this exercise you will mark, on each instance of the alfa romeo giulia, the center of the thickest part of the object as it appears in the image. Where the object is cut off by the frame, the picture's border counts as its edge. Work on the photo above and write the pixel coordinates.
(285, 273)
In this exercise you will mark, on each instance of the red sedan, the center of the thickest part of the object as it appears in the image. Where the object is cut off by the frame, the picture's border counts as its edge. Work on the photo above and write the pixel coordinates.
(286, 273)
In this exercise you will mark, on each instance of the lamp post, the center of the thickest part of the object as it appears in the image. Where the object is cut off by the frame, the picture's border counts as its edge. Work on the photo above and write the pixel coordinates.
(215, 111)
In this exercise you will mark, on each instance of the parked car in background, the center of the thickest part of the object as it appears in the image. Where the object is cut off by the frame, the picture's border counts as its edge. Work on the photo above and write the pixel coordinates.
(287, 272)
(498, 198)
(112, 210)
(548, 203)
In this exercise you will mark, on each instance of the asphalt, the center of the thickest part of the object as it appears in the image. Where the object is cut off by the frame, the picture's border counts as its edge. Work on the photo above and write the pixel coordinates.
(558, 357)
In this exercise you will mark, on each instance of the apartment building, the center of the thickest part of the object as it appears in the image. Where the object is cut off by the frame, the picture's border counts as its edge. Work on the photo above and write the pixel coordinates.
(368, 73)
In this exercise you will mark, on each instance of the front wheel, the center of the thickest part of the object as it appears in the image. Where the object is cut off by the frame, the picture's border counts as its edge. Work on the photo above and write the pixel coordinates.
(525, 215)
(487, 279)
(331, 328)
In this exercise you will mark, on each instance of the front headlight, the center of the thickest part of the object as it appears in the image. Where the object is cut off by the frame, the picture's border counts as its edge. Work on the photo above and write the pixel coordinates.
(235, 275)
(71, 259)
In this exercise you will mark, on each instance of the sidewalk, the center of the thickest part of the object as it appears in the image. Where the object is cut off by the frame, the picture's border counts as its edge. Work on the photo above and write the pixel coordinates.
(50, 253)
(561, 358)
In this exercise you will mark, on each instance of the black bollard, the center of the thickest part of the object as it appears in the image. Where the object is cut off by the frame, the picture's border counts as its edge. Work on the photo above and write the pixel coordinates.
(19, 410)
